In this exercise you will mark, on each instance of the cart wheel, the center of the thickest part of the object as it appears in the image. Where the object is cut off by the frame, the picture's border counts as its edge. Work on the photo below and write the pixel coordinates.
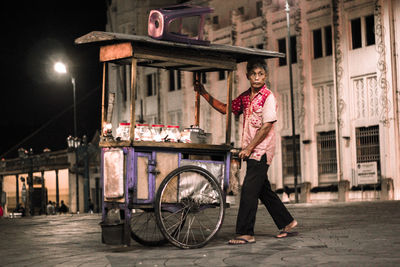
(189, 207)
(144, 229)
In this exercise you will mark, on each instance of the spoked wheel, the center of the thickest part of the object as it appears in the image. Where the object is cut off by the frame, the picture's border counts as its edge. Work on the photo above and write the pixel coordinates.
(189, 207)
(144, 228)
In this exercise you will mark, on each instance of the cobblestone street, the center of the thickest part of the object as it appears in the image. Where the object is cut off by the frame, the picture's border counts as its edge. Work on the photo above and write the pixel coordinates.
(332, 234)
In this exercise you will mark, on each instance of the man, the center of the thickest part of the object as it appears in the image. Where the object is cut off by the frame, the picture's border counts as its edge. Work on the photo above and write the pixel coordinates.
(63, 208)
(258, 106)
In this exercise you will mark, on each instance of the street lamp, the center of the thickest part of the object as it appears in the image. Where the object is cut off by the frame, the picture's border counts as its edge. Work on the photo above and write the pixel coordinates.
(289, 60)
(60, 67)
(73, 144)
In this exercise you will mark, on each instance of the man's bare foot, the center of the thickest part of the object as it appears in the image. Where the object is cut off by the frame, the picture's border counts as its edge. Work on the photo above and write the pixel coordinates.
(243, 239)
(290, 226)
(286, 231)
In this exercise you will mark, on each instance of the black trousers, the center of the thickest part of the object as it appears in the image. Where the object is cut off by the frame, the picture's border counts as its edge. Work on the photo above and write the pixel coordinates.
(256, 186)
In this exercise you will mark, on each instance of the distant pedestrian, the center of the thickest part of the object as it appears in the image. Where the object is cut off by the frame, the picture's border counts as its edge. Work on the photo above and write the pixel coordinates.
(50, 208)
(63, 208)
(91, 206)
(1, 211)
(20, 209)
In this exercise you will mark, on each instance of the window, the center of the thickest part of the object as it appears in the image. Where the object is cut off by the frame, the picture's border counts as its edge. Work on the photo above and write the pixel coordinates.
(151, 84)
(259, 8)
(326, 142)
(356, 33)
(363, 31)
(178, 80)
(123, 81)
(287, 155)
(293, 50)
(282, 49)
(203, 78)
(215, 20)
(317, 43)
(174, 80)
(241, 10)
(260, 46)
(221, 75)
(322, 42)
(370, 31)
(328, 40)
(367, 142)
(171, 80)
(175, 118)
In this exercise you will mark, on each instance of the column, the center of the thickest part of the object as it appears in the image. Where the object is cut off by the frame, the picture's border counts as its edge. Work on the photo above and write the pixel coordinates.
(57, 192)
(16, 191)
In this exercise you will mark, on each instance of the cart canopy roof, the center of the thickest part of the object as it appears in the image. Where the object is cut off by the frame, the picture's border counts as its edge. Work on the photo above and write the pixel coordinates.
(122, 48)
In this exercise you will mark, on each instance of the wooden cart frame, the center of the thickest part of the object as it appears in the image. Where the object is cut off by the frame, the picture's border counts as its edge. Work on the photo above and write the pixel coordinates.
(139, 159)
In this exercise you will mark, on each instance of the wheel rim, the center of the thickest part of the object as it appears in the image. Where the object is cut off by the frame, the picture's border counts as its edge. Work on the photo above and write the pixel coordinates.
(194, 204)
(144, 228)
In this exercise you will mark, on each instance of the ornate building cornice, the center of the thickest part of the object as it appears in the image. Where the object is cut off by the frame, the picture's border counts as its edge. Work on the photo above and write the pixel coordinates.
(314, 10)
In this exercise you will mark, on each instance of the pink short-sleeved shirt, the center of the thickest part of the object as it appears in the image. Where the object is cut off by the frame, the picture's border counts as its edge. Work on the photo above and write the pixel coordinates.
(261, 109)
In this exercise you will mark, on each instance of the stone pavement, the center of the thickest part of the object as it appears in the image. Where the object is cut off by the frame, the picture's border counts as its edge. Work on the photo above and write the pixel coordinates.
(331, 234)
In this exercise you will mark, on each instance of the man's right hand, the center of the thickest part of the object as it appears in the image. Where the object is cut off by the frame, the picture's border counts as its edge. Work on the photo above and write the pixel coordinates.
(198, 87)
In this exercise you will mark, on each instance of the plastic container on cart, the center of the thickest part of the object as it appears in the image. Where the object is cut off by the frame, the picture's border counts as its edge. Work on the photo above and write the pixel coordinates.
(185, 136)
(137, 133)
(145, 133)
(173, 134)
(107, 130)
(123, 131)
(156, 130)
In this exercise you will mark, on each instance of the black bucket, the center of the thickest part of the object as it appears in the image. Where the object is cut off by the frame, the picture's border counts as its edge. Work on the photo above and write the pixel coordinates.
(112, 234)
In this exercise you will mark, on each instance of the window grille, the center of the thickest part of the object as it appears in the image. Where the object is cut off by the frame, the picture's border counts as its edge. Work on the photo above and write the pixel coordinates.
(367, 142)
(287, 155)
(327, 163)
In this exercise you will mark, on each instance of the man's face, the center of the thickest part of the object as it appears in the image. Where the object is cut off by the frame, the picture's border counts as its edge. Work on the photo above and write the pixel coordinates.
(257, 77)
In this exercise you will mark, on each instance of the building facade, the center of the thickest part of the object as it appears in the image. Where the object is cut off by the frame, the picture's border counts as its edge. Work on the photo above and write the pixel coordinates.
(345, 77)
(31, 180)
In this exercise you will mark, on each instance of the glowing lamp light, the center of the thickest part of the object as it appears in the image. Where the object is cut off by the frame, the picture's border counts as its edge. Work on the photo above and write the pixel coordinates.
(60, 67)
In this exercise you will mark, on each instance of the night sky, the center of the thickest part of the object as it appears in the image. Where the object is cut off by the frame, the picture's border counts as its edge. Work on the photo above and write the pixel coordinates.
(34, 35)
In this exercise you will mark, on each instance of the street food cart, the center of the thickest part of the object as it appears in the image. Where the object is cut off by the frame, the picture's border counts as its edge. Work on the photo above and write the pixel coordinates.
(158, 192)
